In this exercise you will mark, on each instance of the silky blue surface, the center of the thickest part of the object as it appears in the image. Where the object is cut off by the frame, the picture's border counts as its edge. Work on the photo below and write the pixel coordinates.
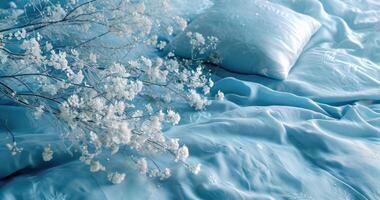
(315, 135)
(254, 36)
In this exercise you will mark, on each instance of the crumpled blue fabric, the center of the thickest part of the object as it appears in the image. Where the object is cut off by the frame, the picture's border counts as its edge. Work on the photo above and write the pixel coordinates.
(315, 135)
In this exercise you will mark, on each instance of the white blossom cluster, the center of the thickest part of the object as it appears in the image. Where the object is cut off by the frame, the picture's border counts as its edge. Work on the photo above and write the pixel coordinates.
(201, 45)
(47, 154)
(13, 148)
(110, 102)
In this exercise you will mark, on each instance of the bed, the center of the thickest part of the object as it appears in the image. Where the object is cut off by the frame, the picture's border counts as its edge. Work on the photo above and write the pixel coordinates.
(313, 135)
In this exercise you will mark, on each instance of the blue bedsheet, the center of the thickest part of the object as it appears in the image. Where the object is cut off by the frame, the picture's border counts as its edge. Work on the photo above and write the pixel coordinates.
(315, 135)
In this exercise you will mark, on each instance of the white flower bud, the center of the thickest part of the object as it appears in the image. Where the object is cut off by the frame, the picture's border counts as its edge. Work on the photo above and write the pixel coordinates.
(47, 154)
(116, 177)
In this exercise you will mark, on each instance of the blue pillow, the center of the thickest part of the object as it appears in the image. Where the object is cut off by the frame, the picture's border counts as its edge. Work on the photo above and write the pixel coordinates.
(255, 36)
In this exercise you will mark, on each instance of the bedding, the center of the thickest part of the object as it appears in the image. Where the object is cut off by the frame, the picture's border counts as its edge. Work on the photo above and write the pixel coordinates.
(254, 37)
(315, 135)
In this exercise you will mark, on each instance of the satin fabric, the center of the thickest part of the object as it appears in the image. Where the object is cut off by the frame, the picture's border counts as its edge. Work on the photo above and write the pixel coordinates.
(314, 135)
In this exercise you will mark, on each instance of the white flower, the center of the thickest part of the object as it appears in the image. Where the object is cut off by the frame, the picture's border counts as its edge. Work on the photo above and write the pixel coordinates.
(23, 33)
(145, 23)
(48, 46)
(195, 169)
(165, 174)
(173, 117)
(156, 74)
(20, 34)
(118, 68)
(206, 89)
(199, 39)
(73, 100)
(50, 88)
(142, 165)
(98, 104)
(161, 45)
(32, 47)
(181, 22)
(153, 125)
(116, 177)
(210, 83)
(171, 55)
(119, 107)
(173, 144)
(65, 111)
(196, 100)
(169, 30)
(96, 166)
(172, 65)
(47, 154)
(152, 40)
(137, 113)
(13, 148)
(118, 87)
(133, 63)
(220, 95)
(147, 62)
(182, 153)
(122, 134)
(59, 60)
(77, 78)
(161, 116)
(38, 112)
(154, 173)
(196, 39)
(93, 136)
(39, 36)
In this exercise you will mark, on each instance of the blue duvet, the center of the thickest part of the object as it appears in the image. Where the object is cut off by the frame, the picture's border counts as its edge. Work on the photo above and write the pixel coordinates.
(315, 135)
